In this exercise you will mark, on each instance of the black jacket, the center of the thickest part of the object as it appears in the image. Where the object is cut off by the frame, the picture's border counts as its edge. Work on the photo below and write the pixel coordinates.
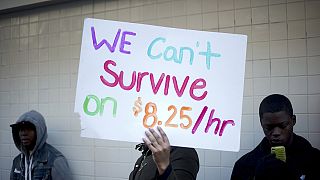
(184, 165)
(302, 161)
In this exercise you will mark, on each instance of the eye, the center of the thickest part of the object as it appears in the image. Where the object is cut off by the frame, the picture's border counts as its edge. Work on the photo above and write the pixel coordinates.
(284, 125)
(268, 128)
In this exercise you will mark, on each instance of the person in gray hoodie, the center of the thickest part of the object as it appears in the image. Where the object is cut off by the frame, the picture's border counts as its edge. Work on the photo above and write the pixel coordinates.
(38, 159)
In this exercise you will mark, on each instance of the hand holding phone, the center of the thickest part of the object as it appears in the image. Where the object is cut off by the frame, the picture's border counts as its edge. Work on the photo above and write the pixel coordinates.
(280, 152)
(271, 166)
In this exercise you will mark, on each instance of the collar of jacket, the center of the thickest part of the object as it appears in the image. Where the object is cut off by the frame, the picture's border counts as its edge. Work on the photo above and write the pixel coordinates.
(40, 157)
(299, 144)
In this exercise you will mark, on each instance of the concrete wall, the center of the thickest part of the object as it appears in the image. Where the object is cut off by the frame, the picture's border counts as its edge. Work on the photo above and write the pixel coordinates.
(39, 56)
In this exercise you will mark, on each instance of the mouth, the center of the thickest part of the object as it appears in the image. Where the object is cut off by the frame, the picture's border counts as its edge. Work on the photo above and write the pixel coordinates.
(276, 142)
(25, 141)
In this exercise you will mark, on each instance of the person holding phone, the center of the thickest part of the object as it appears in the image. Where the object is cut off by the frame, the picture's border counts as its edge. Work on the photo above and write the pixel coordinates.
(281, 154)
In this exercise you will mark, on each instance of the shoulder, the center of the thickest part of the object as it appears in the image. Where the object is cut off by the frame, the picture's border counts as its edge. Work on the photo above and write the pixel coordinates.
(245, 166)
(52, 150)
(184, 157)
(54, 154)
(184, 162)
(245, 159)
(303, 145)
(250, 159)
(316, 151)
(313, 152)
(17, 159)
(301, 142)
(184, 151)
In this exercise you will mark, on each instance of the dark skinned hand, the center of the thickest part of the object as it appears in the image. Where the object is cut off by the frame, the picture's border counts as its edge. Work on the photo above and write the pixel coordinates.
(160, 147)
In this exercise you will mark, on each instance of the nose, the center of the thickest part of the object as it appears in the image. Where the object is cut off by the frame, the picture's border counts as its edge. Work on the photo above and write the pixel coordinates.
(276, 132)
(23, 131)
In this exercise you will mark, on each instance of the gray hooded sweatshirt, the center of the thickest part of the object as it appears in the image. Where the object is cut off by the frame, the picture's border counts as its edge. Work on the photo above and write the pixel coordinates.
(44, 161)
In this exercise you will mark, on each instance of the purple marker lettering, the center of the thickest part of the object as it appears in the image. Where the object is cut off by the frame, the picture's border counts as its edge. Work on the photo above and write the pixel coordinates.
(109, 71)
(154, 87)
(139, 80)
(103, 41)
(196, 85)
(166, 85)
(211, 121)
(123, 41)
(133, 81)
(183, 86)
(224, 124)
(196, 125)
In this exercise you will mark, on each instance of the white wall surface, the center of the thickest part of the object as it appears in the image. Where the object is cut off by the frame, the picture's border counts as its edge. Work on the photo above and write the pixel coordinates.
(39, 56)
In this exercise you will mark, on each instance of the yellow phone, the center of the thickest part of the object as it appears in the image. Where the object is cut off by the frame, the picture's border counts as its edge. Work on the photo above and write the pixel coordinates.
(280, 152)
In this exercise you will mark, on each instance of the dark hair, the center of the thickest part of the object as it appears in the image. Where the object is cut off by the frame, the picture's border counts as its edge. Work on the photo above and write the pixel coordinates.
(275, 103)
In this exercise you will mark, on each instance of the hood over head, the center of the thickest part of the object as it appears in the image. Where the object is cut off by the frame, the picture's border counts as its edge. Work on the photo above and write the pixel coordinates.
(38, 121)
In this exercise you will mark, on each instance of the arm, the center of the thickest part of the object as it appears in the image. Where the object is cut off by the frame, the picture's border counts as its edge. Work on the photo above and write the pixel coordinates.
(313, 170)
(15, 171)
(180, 163)
(12, 172)
(236, 171)
(244, 168)
(184, 164)
(60, 169)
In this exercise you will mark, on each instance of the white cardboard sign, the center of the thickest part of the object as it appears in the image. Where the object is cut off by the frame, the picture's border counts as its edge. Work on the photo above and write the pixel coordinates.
(133, 77)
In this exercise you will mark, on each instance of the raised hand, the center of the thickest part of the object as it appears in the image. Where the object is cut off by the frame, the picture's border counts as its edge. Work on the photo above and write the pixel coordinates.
(160, 147)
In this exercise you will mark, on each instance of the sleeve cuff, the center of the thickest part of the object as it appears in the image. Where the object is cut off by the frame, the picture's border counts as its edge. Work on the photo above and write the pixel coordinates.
(166, 173)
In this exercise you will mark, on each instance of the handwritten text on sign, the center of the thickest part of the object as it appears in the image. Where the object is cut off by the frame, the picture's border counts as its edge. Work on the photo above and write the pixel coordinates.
(134, 76)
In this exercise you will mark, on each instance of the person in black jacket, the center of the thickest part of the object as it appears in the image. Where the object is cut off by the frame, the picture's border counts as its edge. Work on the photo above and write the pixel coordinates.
(160, 161)
(277, 121)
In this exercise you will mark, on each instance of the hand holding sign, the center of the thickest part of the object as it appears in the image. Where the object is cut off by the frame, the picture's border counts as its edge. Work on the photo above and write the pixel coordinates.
(160, 147)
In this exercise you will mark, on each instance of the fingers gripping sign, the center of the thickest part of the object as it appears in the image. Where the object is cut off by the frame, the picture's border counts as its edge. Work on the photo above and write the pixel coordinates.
(160, 147)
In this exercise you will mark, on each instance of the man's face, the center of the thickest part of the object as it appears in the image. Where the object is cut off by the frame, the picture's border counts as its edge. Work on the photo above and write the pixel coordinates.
(28, 137)
(278, 127)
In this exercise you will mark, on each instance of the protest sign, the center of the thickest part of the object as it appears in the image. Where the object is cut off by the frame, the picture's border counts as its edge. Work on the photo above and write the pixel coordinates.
(134, 76)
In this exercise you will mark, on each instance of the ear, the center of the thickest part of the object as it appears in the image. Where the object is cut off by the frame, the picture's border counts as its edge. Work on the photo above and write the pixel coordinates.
(293, 120)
